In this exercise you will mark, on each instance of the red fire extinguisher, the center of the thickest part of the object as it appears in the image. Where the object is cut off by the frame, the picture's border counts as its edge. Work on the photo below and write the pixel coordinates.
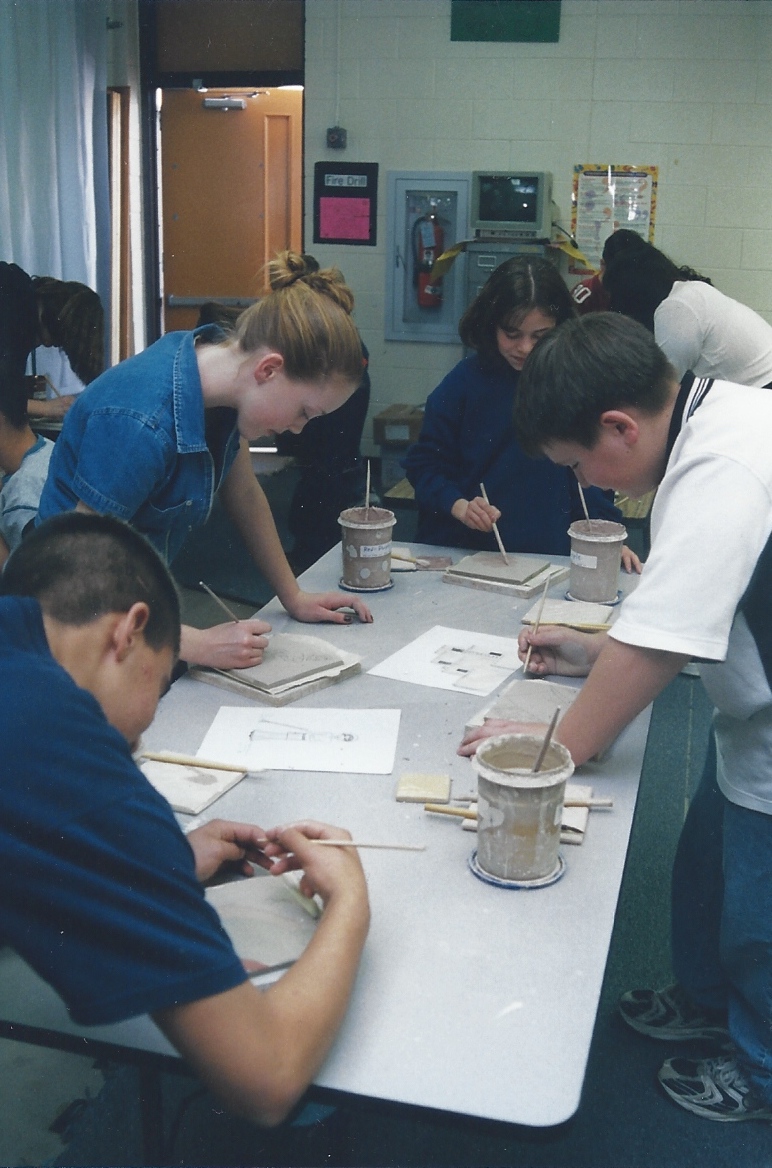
(428, 245)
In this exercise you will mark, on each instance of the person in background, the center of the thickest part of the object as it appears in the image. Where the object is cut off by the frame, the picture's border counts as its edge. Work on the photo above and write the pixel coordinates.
(590, 295)
(153, 439)
(696, 326)
(39, 314)
(24, 459)
(601, 397)
(467, 438)
(100, 891)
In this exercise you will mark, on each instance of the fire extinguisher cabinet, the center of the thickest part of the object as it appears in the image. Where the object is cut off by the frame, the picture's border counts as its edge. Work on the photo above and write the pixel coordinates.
(427, 212)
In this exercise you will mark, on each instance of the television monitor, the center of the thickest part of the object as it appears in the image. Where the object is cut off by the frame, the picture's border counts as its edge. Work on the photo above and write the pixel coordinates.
(512, 204)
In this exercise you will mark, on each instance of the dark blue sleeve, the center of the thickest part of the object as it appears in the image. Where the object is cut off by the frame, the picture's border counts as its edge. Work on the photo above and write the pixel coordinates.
(434, 462)
(98, 890)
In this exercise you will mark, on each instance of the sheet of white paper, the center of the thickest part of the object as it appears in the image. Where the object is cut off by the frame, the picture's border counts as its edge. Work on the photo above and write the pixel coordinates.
(344, 741)
(453, 659)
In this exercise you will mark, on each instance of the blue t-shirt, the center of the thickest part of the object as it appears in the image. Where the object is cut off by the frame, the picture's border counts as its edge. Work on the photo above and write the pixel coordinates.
(20, 492)
(467, 438)
(98, 890)
(138, 444)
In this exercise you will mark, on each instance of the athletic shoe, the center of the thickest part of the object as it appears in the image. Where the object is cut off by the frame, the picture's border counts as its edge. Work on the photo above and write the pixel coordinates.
(669, 1014)
(714, 1088)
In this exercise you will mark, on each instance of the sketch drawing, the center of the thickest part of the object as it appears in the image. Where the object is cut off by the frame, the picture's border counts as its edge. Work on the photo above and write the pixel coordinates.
(283, 732)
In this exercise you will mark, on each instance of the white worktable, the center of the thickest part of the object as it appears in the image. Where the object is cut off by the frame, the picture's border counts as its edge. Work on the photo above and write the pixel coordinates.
(470, 999)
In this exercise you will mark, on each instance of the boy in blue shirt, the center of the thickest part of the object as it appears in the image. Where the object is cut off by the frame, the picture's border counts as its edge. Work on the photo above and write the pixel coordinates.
(600, 397)
(99, 889)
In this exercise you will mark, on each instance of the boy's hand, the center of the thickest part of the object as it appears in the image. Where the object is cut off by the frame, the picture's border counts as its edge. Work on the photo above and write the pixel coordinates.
(330, 872)
(560, 650)
(476, 513)
(492, 727)
(630, 561)
(322, 606)
(223, 842)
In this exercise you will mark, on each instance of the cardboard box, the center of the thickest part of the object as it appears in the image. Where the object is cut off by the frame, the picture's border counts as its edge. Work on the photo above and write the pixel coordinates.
(398, 425)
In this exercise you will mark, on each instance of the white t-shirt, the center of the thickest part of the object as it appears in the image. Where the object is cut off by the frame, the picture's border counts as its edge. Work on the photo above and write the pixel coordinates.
(699, 328)
(54, 362)
(706, 588)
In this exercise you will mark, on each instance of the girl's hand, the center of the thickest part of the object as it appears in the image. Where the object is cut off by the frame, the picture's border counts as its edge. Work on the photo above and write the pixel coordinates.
(236, 645)
(476, 513)
(313, 607)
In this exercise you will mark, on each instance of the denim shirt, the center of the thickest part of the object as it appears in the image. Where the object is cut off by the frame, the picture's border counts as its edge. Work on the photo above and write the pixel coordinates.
(134, 445)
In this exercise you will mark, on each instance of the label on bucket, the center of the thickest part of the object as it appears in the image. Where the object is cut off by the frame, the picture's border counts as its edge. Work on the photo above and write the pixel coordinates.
(584, 561)
(374, 550)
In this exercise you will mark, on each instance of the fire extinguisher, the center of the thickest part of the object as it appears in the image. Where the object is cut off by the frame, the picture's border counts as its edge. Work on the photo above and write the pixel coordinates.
(428, 245)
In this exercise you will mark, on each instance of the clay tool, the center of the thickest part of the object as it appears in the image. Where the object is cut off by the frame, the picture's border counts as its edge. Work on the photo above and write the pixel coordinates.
(470, 813)
(332, 843)
(222, 604)
(545, 744)
(484, 494)
(527, 661)
(584, 505)
(190, 760)
(367, 490)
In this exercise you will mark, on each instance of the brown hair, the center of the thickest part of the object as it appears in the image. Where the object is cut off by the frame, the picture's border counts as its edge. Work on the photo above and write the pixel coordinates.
(307, 318)
(74, 319)
(515, 288)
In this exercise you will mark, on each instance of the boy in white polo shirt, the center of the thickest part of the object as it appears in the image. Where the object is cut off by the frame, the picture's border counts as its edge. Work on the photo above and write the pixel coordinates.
(597, 395)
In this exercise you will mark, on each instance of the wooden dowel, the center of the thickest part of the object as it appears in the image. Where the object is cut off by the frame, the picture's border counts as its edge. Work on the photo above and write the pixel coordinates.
(470, 813)
(584, 505)
(222, 604)
(527, 661)
(444, 809)
(499, 541)
(190, 760)
(367, 490)
(334, 843)
(545, 744)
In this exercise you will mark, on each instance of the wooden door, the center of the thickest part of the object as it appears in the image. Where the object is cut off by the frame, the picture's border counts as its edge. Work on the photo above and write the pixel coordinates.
(231, 194)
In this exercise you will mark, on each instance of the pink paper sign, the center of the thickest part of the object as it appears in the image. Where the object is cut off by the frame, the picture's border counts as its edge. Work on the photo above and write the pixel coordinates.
(344, 218)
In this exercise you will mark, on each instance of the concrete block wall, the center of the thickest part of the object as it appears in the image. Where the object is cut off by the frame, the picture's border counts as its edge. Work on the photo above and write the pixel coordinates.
(683, 84)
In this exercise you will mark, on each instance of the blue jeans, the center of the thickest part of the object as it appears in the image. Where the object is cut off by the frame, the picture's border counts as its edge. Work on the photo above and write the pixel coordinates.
(722, 919)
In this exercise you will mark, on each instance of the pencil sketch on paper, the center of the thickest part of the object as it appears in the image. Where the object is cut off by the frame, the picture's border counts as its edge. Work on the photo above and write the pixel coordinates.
(453, 659)
(344, 741)
(268, 730)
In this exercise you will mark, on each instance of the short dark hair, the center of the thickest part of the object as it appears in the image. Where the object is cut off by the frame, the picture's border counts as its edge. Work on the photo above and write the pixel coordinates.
(80, 567)
(515, 288)
(595, 363)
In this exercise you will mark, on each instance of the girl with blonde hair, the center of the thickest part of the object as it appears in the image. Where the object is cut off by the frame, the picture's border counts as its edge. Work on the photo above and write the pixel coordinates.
(154, 439)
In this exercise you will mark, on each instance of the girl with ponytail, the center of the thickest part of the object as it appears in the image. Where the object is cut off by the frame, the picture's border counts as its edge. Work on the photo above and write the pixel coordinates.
(153, 439)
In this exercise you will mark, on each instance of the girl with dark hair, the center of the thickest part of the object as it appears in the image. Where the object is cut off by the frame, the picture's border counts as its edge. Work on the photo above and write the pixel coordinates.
(696, 326)
(467, 436)
(590, 295)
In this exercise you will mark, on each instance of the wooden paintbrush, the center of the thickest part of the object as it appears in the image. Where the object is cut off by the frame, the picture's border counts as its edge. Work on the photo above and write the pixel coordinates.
(545, 744)
(228, 611)
(527, 661)
(484, 494)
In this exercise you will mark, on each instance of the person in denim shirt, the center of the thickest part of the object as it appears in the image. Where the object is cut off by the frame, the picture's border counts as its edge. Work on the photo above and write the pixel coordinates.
(153, 439)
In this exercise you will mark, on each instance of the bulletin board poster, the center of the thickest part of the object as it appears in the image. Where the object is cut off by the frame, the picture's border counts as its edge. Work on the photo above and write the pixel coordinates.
(346, 203)
(606, 197)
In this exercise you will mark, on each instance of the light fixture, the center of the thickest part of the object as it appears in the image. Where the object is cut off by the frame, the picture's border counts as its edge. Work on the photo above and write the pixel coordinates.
(224, 103)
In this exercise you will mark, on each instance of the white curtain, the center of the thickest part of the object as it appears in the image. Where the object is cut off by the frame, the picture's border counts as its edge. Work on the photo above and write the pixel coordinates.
(54, 196)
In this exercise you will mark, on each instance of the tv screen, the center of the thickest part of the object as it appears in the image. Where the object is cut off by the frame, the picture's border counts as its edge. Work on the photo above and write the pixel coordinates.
(508, 198)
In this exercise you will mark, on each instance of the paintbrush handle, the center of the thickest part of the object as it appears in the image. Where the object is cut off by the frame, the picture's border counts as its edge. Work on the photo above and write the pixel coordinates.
(499, 540)
(229, 612)
(444, 809)
(335, 843)
(190, 760)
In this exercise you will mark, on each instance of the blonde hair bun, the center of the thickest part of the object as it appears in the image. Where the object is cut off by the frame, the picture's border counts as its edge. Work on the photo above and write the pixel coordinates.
(289, 267)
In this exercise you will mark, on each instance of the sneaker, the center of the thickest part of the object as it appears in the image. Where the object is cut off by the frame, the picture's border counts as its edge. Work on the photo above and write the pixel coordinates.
(714, 1088)
(669, 1014)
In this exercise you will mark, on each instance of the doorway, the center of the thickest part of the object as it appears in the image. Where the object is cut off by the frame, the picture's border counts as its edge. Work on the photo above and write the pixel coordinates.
(230, 193)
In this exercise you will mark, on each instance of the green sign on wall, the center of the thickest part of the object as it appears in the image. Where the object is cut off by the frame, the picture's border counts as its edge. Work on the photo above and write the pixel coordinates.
(505, 20)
